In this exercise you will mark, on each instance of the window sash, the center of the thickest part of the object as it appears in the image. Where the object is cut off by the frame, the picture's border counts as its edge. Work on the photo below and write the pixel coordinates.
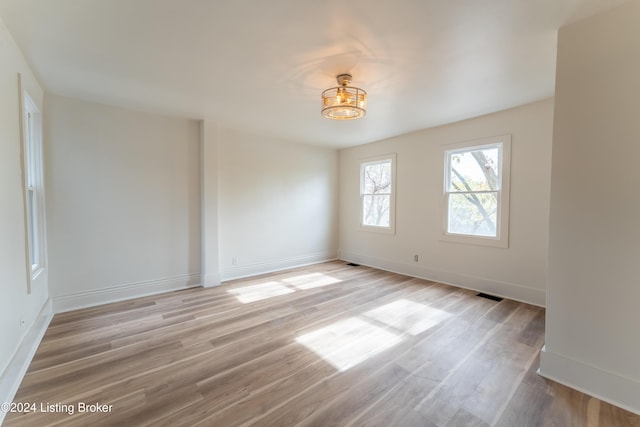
(384, 199)
(496, 213)
(449, 166)
(363, 178)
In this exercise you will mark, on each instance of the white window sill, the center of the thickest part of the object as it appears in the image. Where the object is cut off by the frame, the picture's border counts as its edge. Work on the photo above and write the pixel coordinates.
(475, 240)
(381, 230)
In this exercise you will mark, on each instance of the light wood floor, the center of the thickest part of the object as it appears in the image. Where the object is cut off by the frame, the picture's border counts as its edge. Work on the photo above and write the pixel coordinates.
(326, 345)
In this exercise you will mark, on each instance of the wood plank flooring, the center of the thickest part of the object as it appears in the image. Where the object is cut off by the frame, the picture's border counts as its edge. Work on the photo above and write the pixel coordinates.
(325, 345)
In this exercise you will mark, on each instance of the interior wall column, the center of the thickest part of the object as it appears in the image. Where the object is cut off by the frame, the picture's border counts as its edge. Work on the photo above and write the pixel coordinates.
(209, 203)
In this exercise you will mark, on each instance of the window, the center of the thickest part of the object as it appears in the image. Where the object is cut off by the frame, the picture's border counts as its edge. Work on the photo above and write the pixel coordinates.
(377, 183)
(34, 185)
(476, 191)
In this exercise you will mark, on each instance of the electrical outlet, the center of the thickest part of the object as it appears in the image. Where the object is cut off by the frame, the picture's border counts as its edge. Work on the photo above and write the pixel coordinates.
(234, 261)
(415, 258)
(22, 323)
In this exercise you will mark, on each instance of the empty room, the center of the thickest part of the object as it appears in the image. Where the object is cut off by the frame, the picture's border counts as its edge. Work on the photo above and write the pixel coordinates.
(252, 213)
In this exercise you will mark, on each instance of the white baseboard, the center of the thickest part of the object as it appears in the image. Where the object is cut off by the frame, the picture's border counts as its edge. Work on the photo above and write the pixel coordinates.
(238, 272)
(617, 390)
(123, 292)
(507, 290)
(12, 376)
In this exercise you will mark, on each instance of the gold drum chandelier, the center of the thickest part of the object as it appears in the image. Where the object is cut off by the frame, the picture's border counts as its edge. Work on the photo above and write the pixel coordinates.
(344, 102)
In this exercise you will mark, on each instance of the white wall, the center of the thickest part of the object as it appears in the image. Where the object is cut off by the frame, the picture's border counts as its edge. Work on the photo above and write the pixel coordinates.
(123, 202)
(518, 272)
(277, 203)
(16, 304)
(593, 314)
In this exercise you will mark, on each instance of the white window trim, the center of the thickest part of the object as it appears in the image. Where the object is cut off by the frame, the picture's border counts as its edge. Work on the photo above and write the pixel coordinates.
(391, 229)
(34, 181)
(502, 222)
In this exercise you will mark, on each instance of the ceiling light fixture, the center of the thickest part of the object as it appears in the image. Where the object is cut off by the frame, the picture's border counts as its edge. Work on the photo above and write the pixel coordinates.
(344, 102)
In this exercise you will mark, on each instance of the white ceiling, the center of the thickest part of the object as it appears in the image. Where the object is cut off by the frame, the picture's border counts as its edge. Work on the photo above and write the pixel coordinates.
(260, 65)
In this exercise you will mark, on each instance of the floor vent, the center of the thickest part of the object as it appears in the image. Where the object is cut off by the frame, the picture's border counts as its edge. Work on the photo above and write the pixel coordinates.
(353, 264)
(491, 297)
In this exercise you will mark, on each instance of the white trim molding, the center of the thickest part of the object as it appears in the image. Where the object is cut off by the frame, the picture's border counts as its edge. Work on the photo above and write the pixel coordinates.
(606, 386)
(241, 271)
(12, 376)
(123, 292)
(504, 289)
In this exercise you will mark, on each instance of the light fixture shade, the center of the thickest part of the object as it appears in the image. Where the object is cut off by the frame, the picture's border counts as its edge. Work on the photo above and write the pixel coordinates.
(344, 102)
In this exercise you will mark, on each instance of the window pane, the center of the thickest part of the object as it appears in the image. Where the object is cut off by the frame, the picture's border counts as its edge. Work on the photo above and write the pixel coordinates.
(473, 214)
(30, 151)
(375, 210)
(376, 178)
(475, 170)
(31, 218)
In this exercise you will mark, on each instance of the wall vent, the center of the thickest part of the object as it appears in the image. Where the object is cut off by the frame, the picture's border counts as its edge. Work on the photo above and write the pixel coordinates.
(491, 297)
(353, 264)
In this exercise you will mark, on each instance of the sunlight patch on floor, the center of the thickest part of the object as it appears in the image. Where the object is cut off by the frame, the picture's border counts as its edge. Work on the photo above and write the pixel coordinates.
(312, 280)
(348, 342)
(260, 291)
(408, 316)
(272, 289)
